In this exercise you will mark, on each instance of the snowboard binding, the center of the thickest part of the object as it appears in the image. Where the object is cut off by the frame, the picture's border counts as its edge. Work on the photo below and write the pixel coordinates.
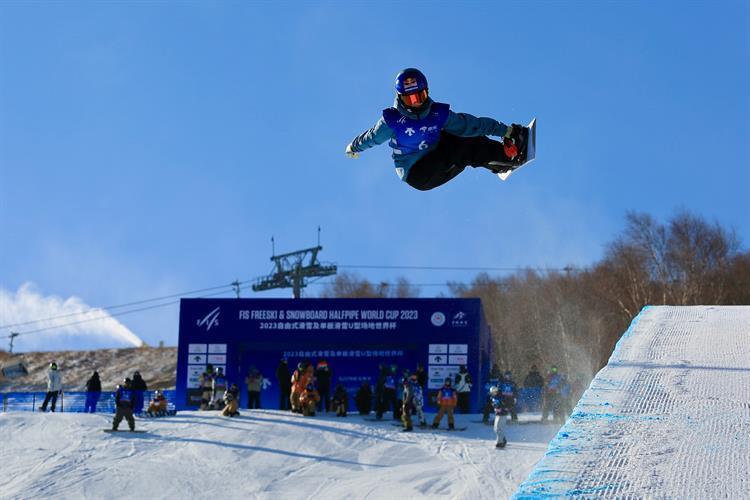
(522, 141)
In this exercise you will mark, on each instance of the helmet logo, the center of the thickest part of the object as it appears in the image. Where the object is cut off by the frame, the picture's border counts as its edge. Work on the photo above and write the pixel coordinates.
(410, 83)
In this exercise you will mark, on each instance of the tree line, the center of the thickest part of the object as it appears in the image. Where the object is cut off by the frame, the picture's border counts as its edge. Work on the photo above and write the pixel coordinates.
(573, 318)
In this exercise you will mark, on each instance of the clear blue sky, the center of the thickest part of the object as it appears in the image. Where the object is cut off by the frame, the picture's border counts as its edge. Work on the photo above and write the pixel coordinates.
(152, 147)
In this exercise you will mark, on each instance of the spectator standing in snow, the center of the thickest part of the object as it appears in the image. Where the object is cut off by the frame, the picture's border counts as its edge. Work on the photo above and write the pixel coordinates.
(218, 388)
(389, 393)
(418, 400)
(421, 376)
(340, 400)
(231, 401)
(463, 388)
(299, 379)
(494, 381)
(533, 385)
(54, 386)
(323, 379)
(407, 404)
(379, 389)
(254, 382)
(93, 392)
(363, 399)
(206, 382)
(124, 401)
(139, 387)
(309, 399)
(497, 403)
(285, 385)
(400, 392)
(509, 394)
(446, 400)
(551, 400)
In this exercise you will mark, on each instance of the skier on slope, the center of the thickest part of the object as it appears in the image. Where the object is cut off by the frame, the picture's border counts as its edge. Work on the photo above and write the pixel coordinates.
(497, 403)
(432, 144)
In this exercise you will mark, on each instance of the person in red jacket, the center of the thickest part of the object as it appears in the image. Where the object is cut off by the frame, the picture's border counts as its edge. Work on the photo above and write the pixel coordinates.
(446, 400)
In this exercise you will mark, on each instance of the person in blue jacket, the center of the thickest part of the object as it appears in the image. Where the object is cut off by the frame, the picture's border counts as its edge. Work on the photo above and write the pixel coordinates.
(432, 144)
(124, 401)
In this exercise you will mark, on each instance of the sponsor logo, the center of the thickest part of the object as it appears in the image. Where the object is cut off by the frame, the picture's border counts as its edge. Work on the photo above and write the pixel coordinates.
(410, 84)
(409, 131)
(211, 319)
(438, 319)
(460, 320)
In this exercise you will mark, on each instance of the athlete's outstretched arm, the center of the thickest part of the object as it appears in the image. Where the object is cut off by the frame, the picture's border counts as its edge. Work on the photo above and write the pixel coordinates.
(378, 134)
(466, 125)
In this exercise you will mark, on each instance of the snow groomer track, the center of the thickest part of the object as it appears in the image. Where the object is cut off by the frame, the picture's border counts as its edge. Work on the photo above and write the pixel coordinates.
(668, 417)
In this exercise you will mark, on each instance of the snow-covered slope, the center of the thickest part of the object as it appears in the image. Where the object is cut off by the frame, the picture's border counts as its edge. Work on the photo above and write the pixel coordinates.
(668, 417)
(262, 454)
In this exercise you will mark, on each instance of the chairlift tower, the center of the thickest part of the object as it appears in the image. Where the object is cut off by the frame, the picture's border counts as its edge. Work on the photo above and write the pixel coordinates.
(293, 269)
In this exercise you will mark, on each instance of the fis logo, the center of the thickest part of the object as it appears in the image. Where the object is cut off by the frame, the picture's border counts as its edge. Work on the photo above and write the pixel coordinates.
(410, 84)
(211, 319)
(460, 320)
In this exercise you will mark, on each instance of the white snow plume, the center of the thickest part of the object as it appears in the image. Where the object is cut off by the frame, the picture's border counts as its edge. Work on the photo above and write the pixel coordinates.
(77, 326)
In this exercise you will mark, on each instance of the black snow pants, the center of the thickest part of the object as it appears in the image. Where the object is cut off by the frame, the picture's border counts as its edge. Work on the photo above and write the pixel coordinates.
(50, 396)
(124, 412)
(451, 156)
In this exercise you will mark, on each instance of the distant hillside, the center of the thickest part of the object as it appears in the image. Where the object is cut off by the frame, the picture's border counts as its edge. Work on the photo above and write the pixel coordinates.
(157, 366)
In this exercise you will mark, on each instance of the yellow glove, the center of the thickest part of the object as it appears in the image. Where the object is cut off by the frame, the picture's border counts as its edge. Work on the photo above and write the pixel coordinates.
(350, 153)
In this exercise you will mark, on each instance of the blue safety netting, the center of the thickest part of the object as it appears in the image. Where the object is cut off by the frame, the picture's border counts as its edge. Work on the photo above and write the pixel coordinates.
(72, 402)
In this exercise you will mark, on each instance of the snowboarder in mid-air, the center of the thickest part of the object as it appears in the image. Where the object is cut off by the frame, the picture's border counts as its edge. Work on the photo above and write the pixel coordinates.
(432, 144)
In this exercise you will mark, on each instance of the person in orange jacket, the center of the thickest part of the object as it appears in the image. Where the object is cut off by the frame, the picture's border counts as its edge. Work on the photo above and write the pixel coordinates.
(158, 404)
(446, 400)
(309, 400)
(300, 379)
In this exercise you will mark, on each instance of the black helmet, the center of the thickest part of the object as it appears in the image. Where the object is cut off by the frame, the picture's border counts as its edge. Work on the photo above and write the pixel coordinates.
(53, 366)
(411, 88)
(126, 382)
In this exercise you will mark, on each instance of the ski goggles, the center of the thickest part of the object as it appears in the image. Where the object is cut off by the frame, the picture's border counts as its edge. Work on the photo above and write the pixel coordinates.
(415, 99)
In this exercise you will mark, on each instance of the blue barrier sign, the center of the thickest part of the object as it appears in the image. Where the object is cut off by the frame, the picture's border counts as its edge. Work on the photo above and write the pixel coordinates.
(353, 336)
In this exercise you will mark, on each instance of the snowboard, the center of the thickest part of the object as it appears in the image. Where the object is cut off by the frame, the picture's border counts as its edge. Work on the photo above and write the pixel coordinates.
(148, 414)
(530, 154)
(126, 431)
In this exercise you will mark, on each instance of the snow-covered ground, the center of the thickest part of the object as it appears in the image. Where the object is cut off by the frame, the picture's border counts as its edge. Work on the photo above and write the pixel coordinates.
(668, 417)
(261, 454)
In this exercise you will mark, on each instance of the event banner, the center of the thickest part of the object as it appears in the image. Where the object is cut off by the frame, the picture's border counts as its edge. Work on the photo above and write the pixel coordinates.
(357, 339)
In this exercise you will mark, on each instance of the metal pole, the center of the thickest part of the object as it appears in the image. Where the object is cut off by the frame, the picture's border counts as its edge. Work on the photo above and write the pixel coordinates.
(12, 336)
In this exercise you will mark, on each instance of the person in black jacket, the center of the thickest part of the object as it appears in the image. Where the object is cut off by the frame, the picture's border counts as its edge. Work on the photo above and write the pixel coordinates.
(421, 376)
(340, 400)
(323, 378)
(285, 384)
(124, 400)
(93, 392)
(138, 385)
(363, 399)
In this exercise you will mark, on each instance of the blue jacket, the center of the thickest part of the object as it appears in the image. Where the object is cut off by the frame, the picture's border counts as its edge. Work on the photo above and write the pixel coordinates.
(460, 124)
(124, 398)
